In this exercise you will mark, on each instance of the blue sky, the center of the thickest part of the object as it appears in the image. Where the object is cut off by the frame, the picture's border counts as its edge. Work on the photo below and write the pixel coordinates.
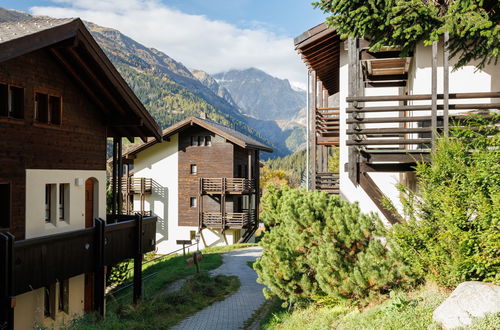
(211, 35)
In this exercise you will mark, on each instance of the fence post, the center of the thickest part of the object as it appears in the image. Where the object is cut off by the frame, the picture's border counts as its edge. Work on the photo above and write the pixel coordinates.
(138, 260)
(7, 300)
(99, 277)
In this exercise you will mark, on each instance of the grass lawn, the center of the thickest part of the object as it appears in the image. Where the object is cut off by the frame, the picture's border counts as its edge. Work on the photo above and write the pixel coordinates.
(402, 311)
(160, 311)
(166, 310)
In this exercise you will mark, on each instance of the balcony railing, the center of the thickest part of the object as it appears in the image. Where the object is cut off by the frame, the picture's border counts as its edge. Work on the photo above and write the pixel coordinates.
(133, 185)
(408, 128)
(226, 185)
(328, 125)
(42, 261)
(228, 220)
(328, 182)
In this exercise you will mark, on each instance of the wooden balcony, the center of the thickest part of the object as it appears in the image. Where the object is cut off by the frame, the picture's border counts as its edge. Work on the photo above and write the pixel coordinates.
(328, 182)
(405, 132)
(328, 126)
(133, 185)
(42, 261)
(227, 186)
(220, 220)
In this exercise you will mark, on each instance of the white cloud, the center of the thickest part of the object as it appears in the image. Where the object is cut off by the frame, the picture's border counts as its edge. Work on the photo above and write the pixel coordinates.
(194, 40)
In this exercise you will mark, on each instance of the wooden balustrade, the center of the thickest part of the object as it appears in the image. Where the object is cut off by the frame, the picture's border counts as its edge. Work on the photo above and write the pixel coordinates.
(404, 127)
(133, 185)
(227, 185)
(328, 182)
(228, 220)
(327, 125)
(45, 260)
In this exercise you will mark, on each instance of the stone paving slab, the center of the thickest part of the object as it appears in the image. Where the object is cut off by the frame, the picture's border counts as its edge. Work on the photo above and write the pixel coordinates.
(231, 313)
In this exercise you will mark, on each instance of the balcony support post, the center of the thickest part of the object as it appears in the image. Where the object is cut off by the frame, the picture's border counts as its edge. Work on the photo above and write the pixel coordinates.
(137, 294)
(99, 272)
(114, 176)
(446, 82)
(120, 177)
(312, 132)
(7, 299)
(434, 93)
(353, 155)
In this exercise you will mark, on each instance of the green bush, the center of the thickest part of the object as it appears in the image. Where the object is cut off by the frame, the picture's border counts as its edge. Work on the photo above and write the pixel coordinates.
(452, 232)
(320, 246)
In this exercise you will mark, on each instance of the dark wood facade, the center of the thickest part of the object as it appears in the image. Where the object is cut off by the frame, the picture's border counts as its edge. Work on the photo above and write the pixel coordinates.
(218, 176)
(60, 99)
(79, 143)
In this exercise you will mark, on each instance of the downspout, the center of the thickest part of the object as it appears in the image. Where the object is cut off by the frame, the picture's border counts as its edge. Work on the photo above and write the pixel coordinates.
(307, 127)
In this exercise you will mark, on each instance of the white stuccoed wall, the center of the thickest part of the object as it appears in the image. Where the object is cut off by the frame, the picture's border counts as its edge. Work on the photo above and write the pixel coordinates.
(467, 79)
(161, 163)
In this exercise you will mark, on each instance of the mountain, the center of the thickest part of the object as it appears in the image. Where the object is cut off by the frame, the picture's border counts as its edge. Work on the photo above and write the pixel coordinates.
(172, 92)
(286, 134)
(261, 95)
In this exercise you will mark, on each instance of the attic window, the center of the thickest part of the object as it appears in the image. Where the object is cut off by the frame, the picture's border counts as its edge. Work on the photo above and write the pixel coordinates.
(11, 101)
(208, 140)
(48, 109)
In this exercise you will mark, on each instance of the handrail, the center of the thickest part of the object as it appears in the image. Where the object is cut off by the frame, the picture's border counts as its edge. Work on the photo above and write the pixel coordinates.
(422, 97)
(231, 185)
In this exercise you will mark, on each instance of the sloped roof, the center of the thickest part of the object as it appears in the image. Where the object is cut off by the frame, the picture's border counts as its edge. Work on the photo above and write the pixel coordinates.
(229, 134)
(319, 48)
(72, 45)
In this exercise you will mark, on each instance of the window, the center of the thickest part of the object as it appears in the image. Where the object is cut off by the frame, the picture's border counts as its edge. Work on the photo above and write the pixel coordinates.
(63, 296)
(201, 141)
(63, 201)
(192, 235)
(5, 199)
(194, 169)
(208, 141)
(48, 109)
(194, 141)
(11, 101)
(50, 301)
(192, 202)
(50, 199)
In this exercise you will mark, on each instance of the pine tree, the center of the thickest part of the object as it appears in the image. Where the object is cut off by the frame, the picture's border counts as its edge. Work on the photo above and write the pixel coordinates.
(322, 246)
(474, 25)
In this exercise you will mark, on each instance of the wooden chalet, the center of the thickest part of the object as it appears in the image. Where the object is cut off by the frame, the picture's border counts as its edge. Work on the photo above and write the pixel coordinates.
(60, 101)
(202, 176)
(391, 109)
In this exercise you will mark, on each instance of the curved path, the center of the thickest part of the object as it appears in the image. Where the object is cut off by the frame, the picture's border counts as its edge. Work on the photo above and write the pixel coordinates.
(232, 312)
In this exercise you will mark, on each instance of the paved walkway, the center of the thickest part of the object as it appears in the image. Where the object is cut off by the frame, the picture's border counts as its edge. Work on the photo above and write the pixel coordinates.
(231, 313)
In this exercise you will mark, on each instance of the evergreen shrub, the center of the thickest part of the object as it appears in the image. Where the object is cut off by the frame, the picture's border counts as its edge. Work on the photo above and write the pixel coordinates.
(452, 231)
(319, 246)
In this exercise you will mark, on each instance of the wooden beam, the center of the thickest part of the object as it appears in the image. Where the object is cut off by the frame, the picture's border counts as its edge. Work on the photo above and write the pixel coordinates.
(394, 167)
(352, 164)
(99, 273)
(434, 92)
(423, 97)
(376, 195)
(446, 82)
(137, 293)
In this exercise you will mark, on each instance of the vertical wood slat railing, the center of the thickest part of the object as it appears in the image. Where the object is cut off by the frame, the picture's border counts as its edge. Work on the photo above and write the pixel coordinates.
(417, 134)
(227, 185)
(228, 219)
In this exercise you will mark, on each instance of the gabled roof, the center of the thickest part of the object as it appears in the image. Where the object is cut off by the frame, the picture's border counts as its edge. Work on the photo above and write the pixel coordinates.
(72, 45)
(319, 48)
(229, 134)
